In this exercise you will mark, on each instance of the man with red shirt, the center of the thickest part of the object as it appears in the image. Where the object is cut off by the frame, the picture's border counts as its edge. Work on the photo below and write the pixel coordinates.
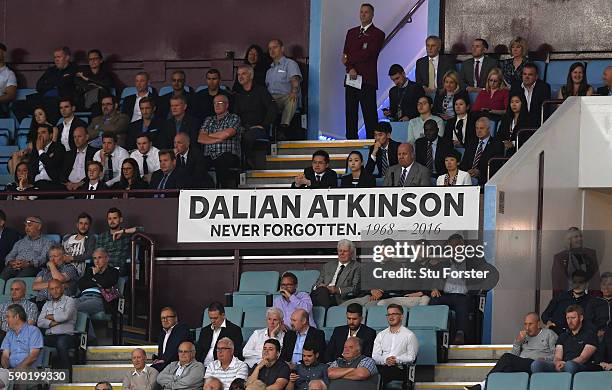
(361, 49)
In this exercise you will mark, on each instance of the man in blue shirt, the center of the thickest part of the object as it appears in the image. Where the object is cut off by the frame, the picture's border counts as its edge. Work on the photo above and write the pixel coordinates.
(308, 369)
(21, 348)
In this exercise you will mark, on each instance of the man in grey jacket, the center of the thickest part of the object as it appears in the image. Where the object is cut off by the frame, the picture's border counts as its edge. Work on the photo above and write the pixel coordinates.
(407, 173)
(338, 278)
(184, 374)
(532, 343)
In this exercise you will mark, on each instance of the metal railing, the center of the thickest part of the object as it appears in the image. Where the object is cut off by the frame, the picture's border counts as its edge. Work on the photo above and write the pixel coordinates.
(100, 194)
(545, 104)
(405, 20)
(148, 259)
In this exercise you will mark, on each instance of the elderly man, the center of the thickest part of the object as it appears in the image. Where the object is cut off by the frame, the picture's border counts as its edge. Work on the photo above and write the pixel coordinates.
(185, 374)
(171, 336)
(337, 278)
(394, 345)
(532, 343)
(58, 318)
(29, 253)
(227, 367)
(219, 328)
(18, 292)
(111, 120)
(431, 68)
(354, 328)
(22, 345)
(143, 377)
(56, 269)
(220, 138)
(317, 384)
(308, 369)
(478, 152)
(213, 383)
(283, 82)
(189, 156)
(274, 330)
(353, 366)
(407, 172)
(271, 370)
(290, 300)
(301, 333)
(606, 90)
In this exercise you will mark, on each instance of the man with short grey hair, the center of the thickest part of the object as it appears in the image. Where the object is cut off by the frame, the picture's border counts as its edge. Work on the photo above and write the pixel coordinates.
(143, 377)
(478, 152)
(337, 278)
(213, 383)
(18, 297)
(273, 330)
(283, 81)
(29, 253)
(184, 374)
(317, 384)
(227, 367)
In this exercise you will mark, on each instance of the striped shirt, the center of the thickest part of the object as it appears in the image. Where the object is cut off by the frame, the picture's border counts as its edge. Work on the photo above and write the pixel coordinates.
(213, 125)
(366, 362)
(236, 369)
(68, 270)
(30, 249)
(29, 307)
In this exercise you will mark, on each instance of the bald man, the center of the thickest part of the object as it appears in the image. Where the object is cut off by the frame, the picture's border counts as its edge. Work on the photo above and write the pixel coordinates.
(186, 373)
(143, 377)
(606, 90)
(301, 333)
(407, 172)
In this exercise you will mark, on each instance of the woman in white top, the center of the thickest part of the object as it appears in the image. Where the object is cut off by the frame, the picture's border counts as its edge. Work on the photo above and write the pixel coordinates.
(454, 177)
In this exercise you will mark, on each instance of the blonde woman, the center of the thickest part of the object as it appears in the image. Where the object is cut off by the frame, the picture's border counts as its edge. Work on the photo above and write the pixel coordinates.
(494, 98)
(444, 103)
(512, 68)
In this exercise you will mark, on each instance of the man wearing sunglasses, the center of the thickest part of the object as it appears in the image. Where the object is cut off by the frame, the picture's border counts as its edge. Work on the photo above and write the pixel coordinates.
(29, 253)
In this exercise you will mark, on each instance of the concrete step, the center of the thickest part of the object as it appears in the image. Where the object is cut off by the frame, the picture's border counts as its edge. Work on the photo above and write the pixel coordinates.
(442, 385)
(81, 386)
(300, 161)
(117, 353)
(274, 176)
(309, 147)
(477, 352)
(100, 372)
(462, 372)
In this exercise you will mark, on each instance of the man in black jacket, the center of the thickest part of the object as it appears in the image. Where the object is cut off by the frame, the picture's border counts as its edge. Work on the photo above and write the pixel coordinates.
(432, 149)
(8, 238)
(554, 316)
(478, 152)
(219, 328)
(131, 104)
(598, 313)
(46, 159)
(58, 80)
(319, 175)
(169, 176)
(179, 122)
(292, 349)
(74, 170)
(433, 63)
(403, 96)
(383, 154)
(191, 159)
(356, 328)
(178, 89)
(535, 91)
(147, 124)
(170, 337)
(93, 181)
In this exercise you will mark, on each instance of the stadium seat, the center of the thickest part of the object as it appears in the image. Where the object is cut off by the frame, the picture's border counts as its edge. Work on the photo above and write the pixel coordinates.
(550, 381)
(128, 91)
(541, 65)
(377, 317)
(593, 380)
(306, 279)
(9, 125)
(254, 288)
(399, 133)
(595, 70)
(232, 313)
(80, 332)
(318, 314)
(556, 74)
(56, 238)
(429, 317)
(255, 317)
(29, 281)
(5, 156)
(430, 325)
(22, 93)
(504, 381)
(336, 316)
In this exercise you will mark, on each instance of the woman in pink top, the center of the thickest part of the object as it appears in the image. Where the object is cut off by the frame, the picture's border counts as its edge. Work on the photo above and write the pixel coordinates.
(494, 98)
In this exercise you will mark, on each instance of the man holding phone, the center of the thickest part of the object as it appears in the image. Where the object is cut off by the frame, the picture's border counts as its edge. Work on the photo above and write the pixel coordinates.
(290, 300)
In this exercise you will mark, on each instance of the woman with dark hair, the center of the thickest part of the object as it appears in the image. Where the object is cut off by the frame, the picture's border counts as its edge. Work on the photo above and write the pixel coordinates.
(39, 118)
(23, 182)
(453, 176)
(513, 120)
(444, 103)
(130, 177)
(237, 384)
(358, 176)
(260, 61)
(576, 84)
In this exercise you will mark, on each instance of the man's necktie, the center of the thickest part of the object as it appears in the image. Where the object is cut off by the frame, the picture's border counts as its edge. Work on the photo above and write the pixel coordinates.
(477, 155)
(91, 188)
(384, 161)
(459, 128)
(145, 166)
(477, 73)
(361, 32)
(432, 74)
(162, 186)
(429, 162)
(183, 161)
(109, 168)
(403, 177)
(318, 178)
(340, 272)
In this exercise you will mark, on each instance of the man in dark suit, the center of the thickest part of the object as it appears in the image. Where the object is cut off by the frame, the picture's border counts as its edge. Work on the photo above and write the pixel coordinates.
(178, 89)
(403, 96)
(433, 63)
(202, 103)
(69, 123)
(606, 90)
(93, 181)
(147, 124)
(169, 176)
(8, 238)
(191, 159)
(180, 121)
(171, 336)
(292, 349)
(51, 155)
(319, 175)
(131, 106)
(356, 328)
(431, 150)
(535, 91)
(360, 57)
(337, 279)
(474, 71)
(219, 327)
(478, 153)
(407, 172)
(74, 170)
(383, 153)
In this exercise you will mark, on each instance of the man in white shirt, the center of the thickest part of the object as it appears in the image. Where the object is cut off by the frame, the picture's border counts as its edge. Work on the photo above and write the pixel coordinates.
(143, 377)
(394, 346)
(131, 104)
(111, 156)
(227, 367)
(252, 349)
(415, 125)
(8, 83)
(46, 159)
(73, 173)
(146, 155)
(68, 123)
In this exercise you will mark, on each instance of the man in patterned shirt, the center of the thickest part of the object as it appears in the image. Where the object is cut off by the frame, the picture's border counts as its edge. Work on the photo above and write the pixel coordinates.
(353, 366)
(29, 253)
(18, 297)
(220, 137)
(116, 241)
(55, 269)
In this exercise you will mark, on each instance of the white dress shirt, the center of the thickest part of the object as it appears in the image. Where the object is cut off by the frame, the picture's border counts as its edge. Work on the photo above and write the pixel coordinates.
(65, 137)
(137, 115)
(152, 159)
(463, 179)
(402, 344)
(215, 335)
(528, 93)
(78, 168)
(253, 347)
(119, 154)
(236, 369)
(42, 175)
(166, 338)
(463, 130)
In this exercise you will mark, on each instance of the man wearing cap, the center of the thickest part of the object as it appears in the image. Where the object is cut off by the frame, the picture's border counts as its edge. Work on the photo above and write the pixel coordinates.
(29, 253)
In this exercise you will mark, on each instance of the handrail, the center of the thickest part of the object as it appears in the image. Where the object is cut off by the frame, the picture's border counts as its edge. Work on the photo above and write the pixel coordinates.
(125, 193)
(405, 20)
(149, 240)
(494, 159)
(523, 131)
(547, 103)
